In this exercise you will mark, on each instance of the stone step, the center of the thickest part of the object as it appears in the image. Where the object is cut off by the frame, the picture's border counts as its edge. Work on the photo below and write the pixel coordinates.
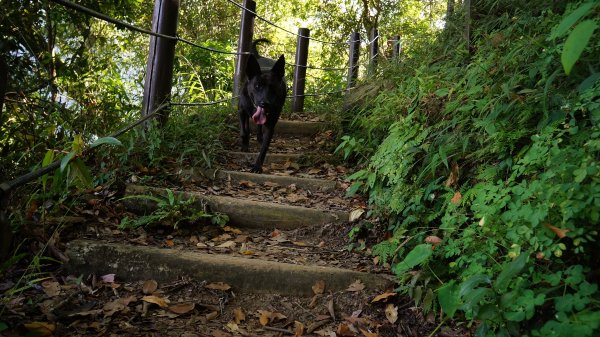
(297, 128)
(311, 184)
(133, 263)
(244, 213)
(250, 157)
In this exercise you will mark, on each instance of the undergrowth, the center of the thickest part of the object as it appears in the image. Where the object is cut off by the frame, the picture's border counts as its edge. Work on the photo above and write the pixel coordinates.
(485, 169)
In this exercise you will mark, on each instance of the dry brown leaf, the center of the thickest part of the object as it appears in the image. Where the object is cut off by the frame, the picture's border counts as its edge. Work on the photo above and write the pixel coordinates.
(110, 308)
(319, 287)
(149, 287)
(241, 239)
(356, 214)
(182, 308)
(331, 308)
(169, 243)
(264, 317)
(293, 197)
(232, 326)
(41, 328)
(222, 237)
(219, 333)
(51, 288)
(356, 286)
(163, 303)
(453, 177)
(218, 286)
(239, 315)
(368, 334)
(344, 330)
(376, 260)
(212, 315)
(433, 240)
(232, 230)
(383, 296)
(247, 183)
(227, 244)
(391, 313)
(270, 184)
(561, 233)
(456, 198)
(298, 329)
(277, 316)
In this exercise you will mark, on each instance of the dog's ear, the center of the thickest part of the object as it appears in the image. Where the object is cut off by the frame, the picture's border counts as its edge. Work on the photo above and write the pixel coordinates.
(279, 67)
(252, 67)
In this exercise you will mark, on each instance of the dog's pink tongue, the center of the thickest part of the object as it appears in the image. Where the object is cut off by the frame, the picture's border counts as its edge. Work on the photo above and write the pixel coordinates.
(259, 116)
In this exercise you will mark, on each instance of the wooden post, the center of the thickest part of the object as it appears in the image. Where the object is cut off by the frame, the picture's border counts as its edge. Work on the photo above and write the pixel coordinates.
(244, 44)
(300, 70)
(353, 60)
(373, 50)
(396, 50)
(159, 70)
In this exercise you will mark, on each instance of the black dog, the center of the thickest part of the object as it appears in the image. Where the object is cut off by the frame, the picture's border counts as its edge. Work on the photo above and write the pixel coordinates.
(261, 98)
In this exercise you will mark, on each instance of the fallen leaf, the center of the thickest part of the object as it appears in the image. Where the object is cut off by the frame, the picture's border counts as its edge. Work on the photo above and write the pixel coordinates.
(331, 308)
(453, 177)
(355, 214)
(319, 287)
(298, 329)
(156, 300)
(356, 286)
(113, 307)
(376, 260)
(368, 334)
(239, 315)
(219, 333)
(41, 328)
(391, 313)
(383, 296)
(270, 184)
(51, 288)
(222, 237)
(149, 287)
(232, 230)
(212, 315)
(264, 317)
(293, 197)
(456, 198)
(247, 183)
(169, 243)
(276, 316)
(344, 330)
(561, 233)
(218, 286)
(227, 244)
(182, 308)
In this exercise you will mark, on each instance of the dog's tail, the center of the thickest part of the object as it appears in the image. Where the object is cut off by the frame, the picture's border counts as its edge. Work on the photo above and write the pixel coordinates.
(253, 49)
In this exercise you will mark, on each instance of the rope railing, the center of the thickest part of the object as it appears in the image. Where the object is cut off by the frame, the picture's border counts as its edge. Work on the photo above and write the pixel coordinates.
(123, 24)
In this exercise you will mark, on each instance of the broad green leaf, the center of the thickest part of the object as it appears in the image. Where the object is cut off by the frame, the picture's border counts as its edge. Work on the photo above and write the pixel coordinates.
(106, 140)
(171, 197)
(81, 173)
(588, 82)
(469, 284)
(48, 158)
(418, 255)
(511, 270)
(78, 144)
(576, 43)
(442, 92)
(448, 296)
(570, 20)
(474, 297)
(66, 160)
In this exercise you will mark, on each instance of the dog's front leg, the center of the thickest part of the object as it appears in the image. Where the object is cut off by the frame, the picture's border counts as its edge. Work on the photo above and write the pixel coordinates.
(244, 130)
(266, 141)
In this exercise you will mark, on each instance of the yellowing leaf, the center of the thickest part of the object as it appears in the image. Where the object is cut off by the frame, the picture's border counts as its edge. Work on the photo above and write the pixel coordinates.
(383, 296)
(298, 329)
(156, 300)
(391, 313)
(264, 317)
(239, 315)
(318, 287)
(41, 328)
(561, 233)
(355, 214)
(232, 230)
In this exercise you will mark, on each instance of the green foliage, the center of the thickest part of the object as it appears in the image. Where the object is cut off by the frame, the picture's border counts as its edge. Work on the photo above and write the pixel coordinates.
(496, 155)
(170, 210)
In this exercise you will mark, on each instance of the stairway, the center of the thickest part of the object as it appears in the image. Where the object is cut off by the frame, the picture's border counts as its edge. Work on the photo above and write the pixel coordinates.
(286, 230)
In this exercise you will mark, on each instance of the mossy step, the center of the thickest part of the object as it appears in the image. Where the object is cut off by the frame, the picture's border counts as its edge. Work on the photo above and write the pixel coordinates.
(298, 128)
(311, 184)
(242, 212)
(278, 157)
(132, 263)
